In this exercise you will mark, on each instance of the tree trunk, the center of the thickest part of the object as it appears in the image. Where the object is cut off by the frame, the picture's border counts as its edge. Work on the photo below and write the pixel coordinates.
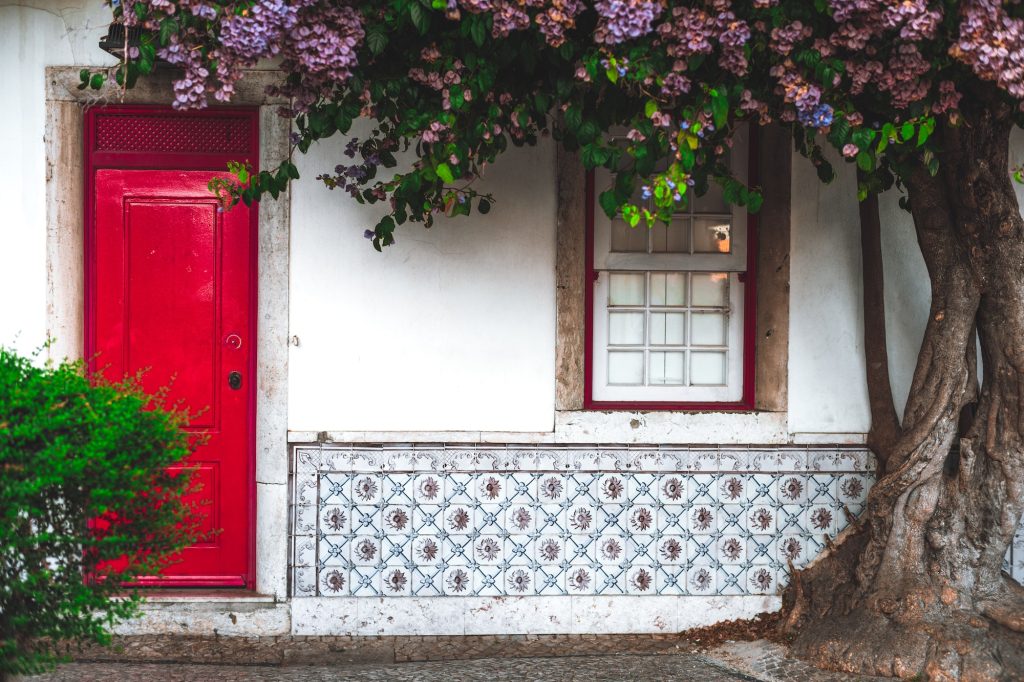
(885, 425)
(915, 586)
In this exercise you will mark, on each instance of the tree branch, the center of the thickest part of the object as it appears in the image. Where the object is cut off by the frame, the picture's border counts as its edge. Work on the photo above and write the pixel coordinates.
(885, 424)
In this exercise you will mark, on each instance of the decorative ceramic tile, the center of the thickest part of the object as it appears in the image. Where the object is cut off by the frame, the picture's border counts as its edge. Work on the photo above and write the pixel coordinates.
(400, 521)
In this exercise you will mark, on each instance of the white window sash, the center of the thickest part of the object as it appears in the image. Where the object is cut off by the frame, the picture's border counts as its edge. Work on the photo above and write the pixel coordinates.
(731, 392)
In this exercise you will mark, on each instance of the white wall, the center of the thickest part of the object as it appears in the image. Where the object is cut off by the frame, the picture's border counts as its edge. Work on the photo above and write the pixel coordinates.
(451, 328)
(907, 294)
(33, 35)
(827, 389)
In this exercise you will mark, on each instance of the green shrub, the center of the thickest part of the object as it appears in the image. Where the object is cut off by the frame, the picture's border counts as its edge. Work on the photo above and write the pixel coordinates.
(86, 504)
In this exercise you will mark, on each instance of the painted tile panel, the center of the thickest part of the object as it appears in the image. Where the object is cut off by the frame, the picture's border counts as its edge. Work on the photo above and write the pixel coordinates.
(531, 521)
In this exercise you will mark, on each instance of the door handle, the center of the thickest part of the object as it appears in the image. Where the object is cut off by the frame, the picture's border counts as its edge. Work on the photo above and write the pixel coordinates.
(235, 380)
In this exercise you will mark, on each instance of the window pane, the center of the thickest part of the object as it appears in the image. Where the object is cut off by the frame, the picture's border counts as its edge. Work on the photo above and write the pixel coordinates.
(668, 288)
(668, 329)
(626, 289)
(707, 368)
(666, 368)
(626, 369)
(674, 238)
(710, 289)
(626, 329)
(712, 201)
(628, 239)
(707, 329)
(711, 235)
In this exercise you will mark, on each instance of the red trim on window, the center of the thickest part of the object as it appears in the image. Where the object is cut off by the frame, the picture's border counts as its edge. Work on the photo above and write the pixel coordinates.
(746, 403)
(177, 160)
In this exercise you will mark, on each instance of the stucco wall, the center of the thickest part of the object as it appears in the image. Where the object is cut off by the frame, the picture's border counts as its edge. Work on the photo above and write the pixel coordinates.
(33, 35)
(451, 328)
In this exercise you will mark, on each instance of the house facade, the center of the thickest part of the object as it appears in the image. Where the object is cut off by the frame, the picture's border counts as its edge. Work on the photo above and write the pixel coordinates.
(535, 421)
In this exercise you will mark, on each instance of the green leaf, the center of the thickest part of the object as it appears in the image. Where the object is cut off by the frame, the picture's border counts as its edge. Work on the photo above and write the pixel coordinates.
(720, 109)
(609, 204)
(96, 82)
(865, 162)
(925, 131)
(650, 108)
(168, 28)
(377, 41)
(419, 17)
(686, 158)
(444, 172)
(478, 31)
(754, 201)
(906, 131)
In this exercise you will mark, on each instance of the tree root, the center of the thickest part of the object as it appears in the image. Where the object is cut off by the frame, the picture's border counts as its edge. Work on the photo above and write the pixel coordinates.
(1007, 607)
(966, 647)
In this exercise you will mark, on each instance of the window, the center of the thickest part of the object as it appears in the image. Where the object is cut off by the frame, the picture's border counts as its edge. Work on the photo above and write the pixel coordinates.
(668, 307)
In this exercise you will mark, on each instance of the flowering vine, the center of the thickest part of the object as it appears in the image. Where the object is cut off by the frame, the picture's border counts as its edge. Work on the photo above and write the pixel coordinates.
(457, 81)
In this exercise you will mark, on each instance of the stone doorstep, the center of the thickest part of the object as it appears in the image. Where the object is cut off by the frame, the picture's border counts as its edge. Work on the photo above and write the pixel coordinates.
(345, 650)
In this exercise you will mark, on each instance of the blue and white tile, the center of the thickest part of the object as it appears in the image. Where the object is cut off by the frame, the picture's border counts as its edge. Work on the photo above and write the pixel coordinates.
(640, 579)
(821, 519)
(671, 550)
(762, 549)
(791, 489)
(642, 489)
(580, 580)
(761, 579)
(702, 579)
(366, 489)
(333, 551)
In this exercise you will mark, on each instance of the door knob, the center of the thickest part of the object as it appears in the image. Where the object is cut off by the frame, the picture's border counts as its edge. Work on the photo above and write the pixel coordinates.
(235, 380)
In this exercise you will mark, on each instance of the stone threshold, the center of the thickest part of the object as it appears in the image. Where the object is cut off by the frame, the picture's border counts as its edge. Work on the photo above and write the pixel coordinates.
(344, 650)
(171, 595)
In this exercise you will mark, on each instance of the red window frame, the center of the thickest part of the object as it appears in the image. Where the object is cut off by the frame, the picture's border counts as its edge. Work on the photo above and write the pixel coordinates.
(749, 279)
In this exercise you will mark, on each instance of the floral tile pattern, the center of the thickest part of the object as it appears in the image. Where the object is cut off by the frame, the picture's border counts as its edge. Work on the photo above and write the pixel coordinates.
(381, 521)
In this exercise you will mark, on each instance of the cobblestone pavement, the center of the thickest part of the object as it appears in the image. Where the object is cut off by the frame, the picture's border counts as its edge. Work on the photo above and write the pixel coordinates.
(619, 668)
(767, 661)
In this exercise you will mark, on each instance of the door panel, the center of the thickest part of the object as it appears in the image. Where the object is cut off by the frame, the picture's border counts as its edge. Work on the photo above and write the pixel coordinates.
(172, 300)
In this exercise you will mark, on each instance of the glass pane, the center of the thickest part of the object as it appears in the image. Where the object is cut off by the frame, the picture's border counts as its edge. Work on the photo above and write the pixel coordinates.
(710, 289)
(626, 289)
(668, 329)
(668, 288)
(626, 369)
(712, 201)
(707, 329)
(711, 235)
(674, 238)
(707, 368)
(626, 329)
(666, 368)
(628, 239)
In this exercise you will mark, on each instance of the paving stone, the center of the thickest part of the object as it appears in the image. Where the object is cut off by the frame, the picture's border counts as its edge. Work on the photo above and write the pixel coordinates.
(588, 658)
(619, 668)
(768, 661)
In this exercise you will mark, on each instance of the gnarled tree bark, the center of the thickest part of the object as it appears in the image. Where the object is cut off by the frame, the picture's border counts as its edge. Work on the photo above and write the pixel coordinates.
(915, 587)
(885, 425)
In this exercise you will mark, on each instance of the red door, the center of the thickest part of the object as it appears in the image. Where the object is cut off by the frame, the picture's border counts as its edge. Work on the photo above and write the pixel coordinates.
(172, 295)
